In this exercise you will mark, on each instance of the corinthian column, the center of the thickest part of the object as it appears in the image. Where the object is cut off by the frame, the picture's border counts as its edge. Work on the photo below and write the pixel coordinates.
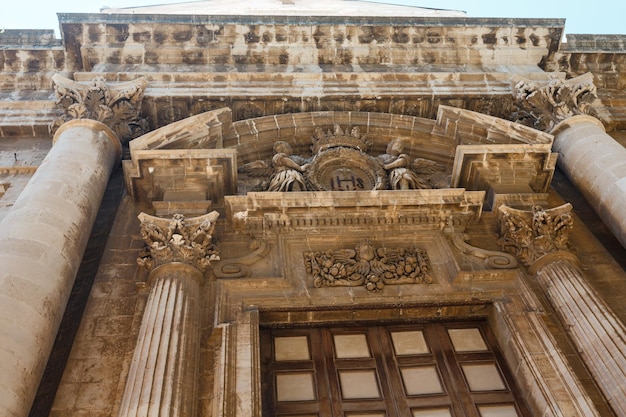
(162, 377)
(540, 239)
(42, 240)
(593, 160)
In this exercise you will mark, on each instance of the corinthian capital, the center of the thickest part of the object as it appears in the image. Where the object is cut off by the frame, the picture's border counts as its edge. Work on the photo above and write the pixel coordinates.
(530, 235)
(178, 240)
(117, 106)
(543, 105)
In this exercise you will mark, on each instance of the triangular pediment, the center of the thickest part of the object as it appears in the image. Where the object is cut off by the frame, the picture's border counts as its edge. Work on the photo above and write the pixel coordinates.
(287, 8)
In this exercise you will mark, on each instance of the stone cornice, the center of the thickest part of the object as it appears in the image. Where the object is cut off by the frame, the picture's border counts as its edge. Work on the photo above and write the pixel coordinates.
(425, 21)
(275, 211)
(117, 106)
(188, 241)
(532, 235)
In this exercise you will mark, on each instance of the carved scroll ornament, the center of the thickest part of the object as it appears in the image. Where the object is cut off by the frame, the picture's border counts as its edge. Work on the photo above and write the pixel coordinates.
(117, 106)
(542, 106)
(368, 267)
(530, 235)
(178, 240)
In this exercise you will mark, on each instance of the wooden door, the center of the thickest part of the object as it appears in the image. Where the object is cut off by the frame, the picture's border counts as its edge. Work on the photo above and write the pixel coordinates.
(425, 370)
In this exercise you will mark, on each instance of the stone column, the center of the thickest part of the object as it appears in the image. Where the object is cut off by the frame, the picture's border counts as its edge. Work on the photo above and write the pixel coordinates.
(593, 160)
(162, 380)
(42, 240)
(540, 239)
(596, 165)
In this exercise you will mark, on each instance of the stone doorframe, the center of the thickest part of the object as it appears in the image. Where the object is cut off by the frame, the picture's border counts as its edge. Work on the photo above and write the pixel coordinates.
(512, 312)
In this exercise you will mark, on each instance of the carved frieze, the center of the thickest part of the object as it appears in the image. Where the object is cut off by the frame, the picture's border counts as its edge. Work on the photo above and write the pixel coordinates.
(367, 266)
(543, 105)
(118, 106)
(340, 162)
(530, 235)
(189, 241)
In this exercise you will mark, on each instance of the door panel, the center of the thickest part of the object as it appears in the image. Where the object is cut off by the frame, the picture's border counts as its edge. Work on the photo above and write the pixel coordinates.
(425, 370)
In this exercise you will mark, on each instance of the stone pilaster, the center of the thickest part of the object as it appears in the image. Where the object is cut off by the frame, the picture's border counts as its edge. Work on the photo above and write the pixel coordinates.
(42, 240)
(162, 380)
(540, 239)
(592, 159)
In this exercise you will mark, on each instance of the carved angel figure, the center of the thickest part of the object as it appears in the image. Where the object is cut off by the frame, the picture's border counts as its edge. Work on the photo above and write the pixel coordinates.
(284, 171)
(404, 174)
(369, 267)
(287, 169)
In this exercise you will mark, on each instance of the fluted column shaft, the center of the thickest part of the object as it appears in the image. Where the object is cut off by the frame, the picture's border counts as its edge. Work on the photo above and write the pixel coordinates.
(599, 336)
(540, 239)
(596, 165)
(42, 240)
(162, 377)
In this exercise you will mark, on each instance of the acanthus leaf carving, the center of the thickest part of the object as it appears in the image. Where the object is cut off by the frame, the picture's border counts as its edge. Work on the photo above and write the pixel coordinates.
(189, 241)
(530, 235)
(118, 106)
(368, 267)
(542, 105)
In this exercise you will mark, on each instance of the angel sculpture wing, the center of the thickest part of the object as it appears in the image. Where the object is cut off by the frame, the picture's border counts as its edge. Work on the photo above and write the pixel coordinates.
(260, 172)
(425, 167)
(257, 169)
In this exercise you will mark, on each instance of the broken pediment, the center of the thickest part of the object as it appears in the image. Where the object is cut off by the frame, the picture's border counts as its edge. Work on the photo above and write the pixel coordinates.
(207, 157)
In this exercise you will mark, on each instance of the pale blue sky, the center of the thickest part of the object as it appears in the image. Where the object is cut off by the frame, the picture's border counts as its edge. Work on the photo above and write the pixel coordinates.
(599, 16)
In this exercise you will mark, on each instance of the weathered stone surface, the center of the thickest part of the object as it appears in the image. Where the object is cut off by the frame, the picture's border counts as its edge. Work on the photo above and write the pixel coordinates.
(42, 258)
(231, 90)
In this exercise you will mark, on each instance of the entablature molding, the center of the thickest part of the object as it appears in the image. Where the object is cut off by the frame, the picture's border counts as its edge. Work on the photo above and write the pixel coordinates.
(260, 213)
(251, 93)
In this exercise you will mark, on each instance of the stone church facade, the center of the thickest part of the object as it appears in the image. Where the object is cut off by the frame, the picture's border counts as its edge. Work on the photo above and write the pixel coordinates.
(331, 209)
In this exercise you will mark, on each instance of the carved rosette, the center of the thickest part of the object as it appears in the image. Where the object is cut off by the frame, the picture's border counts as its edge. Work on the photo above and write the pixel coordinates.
(117, 106)
(530, 235)
(543, 106)
(368, 267)
(178, 240)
